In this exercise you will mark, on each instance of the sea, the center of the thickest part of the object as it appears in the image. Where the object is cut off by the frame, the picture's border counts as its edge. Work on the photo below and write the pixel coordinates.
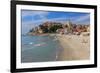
(39, 48)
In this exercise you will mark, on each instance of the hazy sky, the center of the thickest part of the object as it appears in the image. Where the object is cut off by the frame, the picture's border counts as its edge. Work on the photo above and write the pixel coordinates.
(32, 18)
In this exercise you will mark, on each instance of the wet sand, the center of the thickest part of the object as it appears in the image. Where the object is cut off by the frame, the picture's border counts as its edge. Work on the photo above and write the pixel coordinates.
(75, 47)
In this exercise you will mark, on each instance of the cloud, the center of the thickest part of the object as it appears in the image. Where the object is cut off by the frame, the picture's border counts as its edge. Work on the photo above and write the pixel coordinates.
(44, 19)
(33, 13)
(33, 17)
(83, 19)
(38, 17)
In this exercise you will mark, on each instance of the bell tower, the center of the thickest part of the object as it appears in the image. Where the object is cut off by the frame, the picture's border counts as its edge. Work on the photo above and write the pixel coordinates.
(69, 24)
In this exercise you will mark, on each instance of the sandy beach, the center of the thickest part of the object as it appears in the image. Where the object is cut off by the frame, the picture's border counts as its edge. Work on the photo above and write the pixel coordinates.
(74, 47)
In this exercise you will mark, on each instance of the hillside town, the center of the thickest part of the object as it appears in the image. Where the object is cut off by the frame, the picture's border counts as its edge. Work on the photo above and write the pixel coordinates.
(60, 28)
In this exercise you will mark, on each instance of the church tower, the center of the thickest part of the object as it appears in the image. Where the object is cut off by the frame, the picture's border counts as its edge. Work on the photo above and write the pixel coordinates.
(69, 24)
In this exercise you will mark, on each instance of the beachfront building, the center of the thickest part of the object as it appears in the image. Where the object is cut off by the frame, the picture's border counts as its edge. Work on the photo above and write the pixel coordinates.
(40, 31)
(88, 29)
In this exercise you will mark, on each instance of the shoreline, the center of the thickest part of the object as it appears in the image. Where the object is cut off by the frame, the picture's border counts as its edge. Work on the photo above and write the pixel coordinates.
(42, 34)
(75, 47)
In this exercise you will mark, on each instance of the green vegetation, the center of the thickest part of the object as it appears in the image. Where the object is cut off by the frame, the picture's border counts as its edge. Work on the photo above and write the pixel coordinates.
(54, 28)
(47, 28)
